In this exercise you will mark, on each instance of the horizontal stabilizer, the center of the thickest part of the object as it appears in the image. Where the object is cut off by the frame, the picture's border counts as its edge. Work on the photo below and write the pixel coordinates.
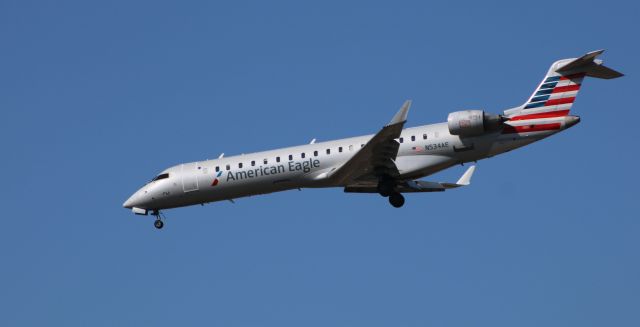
(589, 65)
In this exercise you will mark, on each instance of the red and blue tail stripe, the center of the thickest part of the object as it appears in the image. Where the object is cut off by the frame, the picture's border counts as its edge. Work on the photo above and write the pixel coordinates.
(555, 91)
(550, 104)
(551, 101)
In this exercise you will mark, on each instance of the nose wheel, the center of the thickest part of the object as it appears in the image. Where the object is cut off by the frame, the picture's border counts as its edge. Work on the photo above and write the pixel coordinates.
(158, 223)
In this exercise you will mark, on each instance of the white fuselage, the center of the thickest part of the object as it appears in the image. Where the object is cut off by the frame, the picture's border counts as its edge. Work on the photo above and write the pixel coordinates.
(424, 150)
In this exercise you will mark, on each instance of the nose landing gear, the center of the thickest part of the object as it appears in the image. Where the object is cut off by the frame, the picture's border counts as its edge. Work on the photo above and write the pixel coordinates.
(158, 223)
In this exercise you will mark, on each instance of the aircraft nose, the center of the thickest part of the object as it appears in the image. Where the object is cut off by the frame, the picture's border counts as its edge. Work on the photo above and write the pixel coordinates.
(135, 200)
(130, 202)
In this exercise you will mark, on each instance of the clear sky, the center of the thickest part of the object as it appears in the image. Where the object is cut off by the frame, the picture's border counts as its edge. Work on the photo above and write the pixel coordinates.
(98, 97)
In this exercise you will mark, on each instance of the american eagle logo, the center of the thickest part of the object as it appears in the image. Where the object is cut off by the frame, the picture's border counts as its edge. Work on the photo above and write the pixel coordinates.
(215, 180)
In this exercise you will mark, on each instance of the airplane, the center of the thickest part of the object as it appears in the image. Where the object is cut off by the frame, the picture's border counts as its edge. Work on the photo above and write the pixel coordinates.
(389, 162)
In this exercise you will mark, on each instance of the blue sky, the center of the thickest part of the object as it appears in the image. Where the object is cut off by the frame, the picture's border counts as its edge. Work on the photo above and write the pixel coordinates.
(98, 97)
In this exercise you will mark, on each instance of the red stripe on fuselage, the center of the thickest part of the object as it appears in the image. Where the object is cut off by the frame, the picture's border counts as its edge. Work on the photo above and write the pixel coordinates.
(559, 101)
(548, 114)
(530, 128)
(566, 88)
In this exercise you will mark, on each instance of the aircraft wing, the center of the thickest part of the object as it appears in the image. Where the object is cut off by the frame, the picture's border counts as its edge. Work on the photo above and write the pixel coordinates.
(413, 186)
(377, 156)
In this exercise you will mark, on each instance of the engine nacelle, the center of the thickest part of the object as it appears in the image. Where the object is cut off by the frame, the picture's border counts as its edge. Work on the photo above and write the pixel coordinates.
(473, 122)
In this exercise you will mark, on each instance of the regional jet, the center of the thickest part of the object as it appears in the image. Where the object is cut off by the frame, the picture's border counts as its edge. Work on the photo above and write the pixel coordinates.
(390, 162)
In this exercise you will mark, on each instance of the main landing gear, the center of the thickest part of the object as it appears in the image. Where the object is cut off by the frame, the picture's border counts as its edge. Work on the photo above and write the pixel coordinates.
(158, 223)
(386, 188)
(396, 200)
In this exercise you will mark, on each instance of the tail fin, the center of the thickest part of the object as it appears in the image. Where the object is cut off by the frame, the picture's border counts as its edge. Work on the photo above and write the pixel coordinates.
(555, 95)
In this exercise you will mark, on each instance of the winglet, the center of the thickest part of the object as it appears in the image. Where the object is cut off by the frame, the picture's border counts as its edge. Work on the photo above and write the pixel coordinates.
(401, 115)
(466, 177)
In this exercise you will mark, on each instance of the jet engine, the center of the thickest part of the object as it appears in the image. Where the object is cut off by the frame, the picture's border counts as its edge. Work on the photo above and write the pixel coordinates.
(473, 122)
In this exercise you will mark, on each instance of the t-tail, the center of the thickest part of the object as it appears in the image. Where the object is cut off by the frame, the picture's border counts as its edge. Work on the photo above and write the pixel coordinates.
(554, 96)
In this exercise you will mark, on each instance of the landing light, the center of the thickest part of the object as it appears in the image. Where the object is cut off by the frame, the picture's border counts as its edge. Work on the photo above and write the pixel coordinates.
(139, 211)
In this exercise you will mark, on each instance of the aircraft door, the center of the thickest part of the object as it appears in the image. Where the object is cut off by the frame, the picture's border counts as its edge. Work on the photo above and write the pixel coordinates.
(190, 177)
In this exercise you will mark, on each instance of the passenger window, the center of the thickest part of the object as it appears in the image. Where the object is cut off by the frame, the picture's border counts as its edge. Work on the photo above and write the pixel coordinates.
(265, 161)
(290, 157)
(340, 149)
(240, 165)
(217, 169)
(253, 162)
(424, 136)
(315, 153)
(228, 167)
(350, 147)
(302, 155)
(277, 159)
(328, 151)
(413, 138)
(401, 139)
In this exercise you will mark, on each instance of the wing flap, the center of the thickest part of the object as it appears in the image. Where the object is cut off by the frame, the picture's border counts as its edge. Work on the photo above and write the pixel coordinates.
(416, 186)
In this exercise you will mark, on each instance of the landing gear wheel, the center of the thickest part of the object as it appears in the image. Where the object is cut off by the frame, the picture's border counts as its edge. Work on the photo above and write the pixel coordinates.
(396, 200)
(158, 223)
(386, 187)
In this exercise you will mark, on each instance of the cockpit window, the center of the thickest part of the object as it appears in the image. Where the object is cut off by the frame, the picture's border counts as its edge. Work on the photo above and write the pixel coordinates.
(161, 176)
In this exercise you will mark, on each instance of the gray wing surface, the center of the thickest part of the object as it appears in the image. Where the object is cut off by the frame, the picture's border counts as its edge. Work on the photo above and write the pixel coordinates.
(413, 186)
(377, 157)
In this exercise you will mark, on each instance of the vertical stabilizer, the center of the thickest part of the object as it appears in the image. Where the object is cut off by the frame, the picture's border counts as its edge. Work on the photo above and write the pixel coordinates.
(556, 93)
